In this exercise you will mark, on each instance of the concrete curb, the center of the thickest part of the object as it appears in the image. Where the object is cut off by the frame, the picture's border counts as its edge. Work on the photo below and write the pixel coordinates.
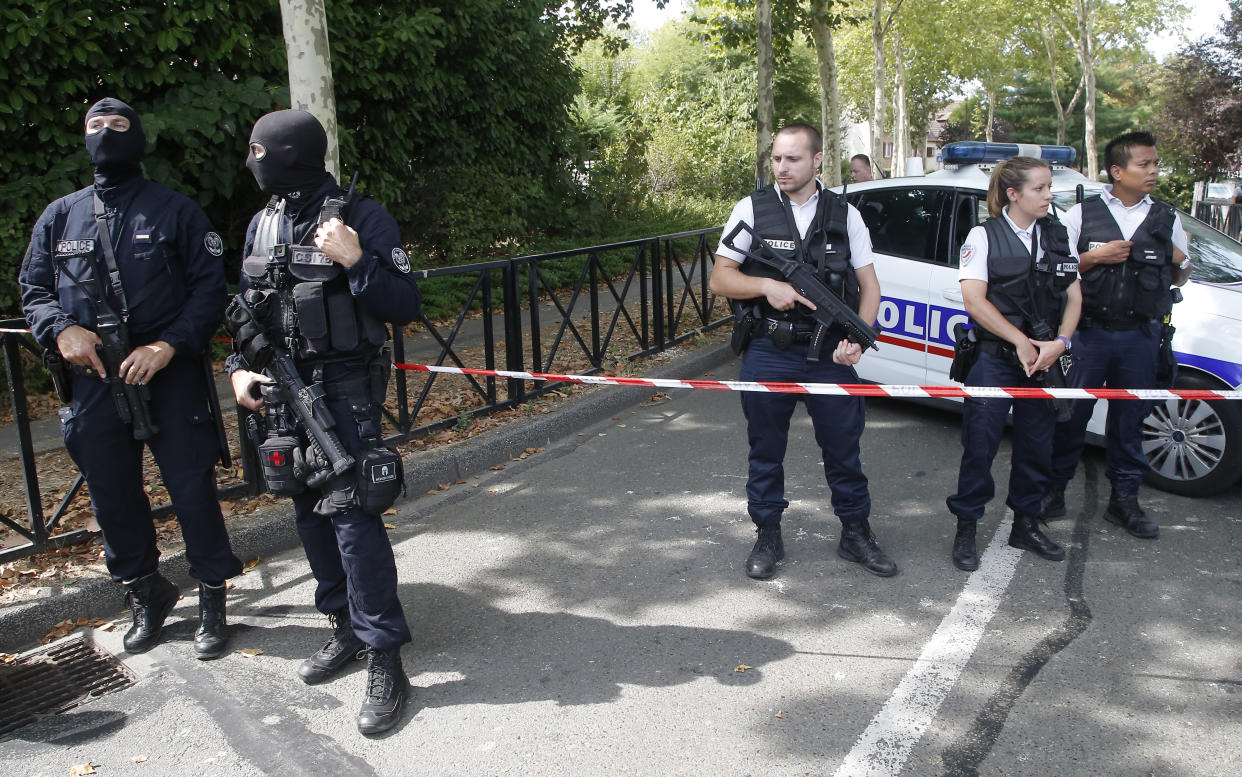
(272, 530)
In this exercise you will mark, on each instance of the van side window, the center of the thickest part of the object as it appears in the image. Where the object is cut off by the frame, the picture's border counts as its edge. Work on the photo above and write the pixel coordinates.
(909, 223)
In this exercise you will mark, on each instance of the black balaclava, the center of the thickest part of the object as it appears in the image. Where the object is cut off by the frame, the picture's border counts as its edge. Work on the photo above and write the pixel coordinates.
(292, 165)
(117, 155)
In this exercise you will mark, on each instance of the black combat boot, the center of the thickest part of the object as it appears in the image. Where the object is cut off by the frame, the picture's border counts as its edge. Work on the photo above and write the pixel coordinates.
(387, 688)
(858, 545)
(1026, 535)
(1053, 503)
(768, 550)
(343, 647)
(212, 635)
(151, 598)
(1124, 510)
(965, 557)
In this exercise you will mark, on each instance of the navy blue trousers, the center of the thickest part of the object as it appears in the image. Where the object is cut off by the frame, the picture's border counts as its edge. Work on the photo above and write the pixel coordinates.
(185, 451)
(1117, 359)
(351, 557)
(838, 423)
(983, 425)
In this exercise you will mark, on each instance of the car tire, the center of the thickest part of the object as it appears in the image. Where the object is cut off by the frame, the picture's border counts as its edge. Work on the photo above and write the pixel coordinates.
(1194, 446)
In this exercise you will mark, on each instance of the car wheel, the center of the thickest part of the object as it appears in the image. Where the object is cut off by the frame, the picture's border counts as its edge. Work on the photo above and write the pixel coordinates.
(1194, 446)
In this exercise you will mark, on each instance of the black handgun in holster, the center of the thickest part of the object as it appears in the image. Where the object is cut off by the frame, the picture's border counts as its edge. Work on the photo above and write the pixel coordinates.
(745, 317)
(965, 351)
(61, 372)
(1166, 360)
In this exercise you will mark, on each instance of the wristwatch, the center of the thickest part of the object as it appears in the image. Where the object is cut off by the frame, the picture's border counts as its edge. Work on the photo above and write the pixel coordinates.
(1068, 345)
(1185, 265)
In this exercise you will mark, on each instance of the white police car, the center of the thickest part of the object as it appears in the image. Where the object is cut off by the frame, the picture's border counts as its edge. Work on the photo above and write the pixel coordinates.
(918, 224)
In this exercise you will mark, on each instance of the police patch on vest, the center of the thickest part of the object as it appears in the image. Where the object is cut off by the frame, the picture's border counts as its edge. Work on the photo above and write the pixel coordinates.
(310, 257)
(1094, 244)
(213, 244)
(782, 245)
(75, 247)
(383, 473)
(400, 259)
(968, 251)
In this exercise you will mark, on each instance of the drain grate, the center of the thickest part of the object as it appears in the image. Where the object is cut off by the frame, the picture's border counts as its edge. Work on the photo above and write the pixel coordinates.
(57, 678)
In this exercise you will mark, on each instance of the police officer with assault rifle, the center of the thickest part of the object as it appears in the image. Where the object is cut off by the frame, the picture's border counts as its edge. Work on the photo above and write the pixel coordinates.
(124, 286)
(323, 272)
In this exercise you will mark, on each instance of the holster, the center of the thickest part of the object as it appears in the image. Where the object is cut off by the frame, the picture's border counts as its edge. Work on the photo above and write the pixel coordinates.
(62, 374)
(965, 352)
(744, 320)
(1166, 360)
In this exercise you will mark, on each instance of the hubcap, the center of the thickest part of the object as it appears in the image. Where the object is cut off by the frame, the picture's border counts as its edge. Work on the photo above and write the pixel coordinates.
(1184, 439)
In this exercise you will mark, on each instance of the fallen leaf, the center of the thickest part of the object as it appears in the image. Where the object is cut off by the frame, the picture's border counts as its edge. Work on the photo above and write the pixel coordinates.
(390, 511)
(475, 485)
(251, 652)
(58, 631)
(82, 769)
(7, 658)
(459, 482)
(444, 486)
(780, 715)
(742, 668)
(254, 562)
(138, 759)
(433, 491)
(106, 626)
(389, 526)
(498, 467)
(493, 490)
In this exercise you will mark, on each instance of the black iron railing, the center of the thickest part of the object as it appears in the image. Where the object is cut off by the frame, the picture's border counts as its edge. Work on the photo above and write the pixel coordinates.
(1226, 218)
(578, 311)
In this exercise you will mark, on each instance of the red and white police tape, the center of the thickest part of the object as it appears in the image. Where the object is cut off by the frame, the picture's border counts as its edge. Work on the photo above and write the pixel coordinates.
(833, 389)
(847, 389)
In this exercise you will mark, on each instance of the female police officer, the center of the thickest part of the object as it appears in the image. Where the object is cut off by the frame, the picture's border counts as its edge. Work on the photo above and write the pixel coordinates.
(1020, 284)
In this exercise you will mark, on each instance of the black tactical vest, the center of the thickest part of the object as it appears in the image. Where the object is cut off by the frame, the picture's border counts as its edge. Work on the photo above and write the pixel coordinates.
(826, 245)
(1024, 290)
(317, 311)
(1138, 288)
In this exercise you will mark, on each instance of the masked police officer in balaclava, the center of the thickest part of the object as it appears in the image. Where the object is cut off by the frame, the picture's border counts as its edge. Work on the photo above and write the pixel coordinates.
(129, 257)
(320, 279)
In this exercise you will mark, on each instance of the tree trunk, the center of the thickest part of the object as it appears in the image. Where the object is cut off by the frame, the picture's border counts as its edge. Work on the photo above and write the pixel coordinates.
(989, 94)
(1086, 56)
(877, 96)
(767, 107)
(829, 99)
(1047, 34)
(310, 68)
(901, 116)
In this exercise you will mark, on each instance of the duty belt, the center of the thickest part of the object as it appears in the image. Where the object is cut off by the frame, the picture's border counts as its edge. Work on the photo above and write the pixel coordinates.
(1112, 325)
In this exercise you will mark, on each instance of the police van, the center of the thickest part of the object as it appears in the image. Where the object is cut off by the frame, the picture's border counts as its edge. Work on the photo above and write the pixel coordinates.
(918, 224)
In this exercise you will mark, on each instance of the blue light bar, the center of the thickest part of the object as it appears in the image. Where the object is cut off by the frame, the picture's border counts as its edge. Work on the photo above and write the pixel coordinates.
(973, 153)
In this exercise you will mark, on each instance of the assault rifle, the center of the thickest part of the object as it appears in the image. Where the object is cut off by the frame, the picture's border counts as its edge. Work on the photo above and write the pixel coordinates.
(830, 310)
(308, 403)
(133, 401)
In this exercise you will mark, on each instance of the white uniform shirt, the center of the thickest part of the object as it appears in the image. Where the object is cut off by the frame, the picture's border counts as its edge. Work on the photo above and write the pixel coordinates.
(1128, 219)
(804, 214)
(973, 259)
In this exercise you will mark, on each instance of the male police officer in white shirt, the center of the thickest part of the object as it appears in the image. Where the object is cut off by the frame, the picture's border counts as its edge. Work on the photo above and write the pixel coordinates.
(786, 345)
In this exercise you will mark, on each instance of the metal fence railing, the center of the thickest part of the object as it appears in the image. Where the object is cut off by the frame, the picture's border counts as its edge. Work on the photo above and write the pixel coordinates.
(1226, 218)
(581, 310)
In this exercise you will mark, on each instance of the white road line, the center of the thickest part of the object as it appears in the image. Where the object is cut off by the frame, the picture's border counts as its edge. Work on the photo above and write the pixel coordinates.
(885, 745)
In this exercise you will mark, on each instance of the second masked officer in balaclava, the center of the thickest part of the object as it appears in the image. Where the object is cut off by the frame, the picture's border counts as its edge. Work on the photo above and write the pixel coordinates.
(321, 278)
(138, 264)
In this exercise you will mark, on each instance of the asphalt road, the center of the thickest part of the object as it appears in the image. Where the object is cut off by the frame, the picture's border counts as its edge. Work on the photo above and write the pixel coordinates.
(584, 611)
